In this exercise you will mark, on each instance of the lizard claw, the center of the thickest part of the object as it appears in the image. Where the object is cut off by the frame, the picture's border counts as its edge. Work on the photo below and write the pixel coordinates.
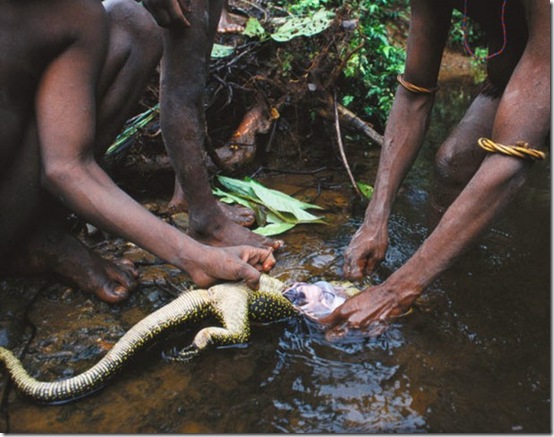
(182, 356)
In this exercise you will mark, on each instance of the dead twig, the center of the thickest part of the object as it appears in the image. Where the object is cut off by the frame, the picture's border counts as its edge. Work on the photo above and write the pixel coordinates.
(341, 146)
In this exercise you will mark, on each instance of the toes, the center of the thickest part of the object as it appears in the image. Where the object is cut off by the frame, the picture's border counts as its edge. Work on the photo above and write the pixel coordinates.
(127, 266)
(113, 293)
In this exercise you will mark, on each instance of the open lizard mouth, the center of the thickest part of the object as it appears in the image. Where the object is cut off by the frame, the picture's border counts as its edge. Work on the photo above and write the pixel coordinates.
(314, 300)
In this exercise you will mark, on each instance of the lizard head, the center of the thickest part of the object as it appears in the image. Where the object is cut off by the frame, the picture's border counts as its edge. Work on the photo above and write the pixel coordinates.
(315, 300)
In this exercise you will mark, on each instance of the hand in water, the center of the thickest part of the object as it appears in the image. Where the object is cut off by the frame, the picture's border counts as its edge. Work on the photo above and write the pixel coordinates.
(365, 251)
(369, 312)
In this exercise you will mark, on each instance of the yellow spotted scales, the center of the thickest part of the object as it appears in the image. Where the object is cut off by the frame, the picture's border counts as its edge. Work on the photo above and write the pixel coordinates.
(233, 304)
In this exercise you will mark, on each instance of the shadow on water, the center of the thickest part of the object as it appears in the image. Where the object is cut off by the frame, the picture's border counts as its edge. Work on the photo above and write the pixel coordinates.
(474, 356)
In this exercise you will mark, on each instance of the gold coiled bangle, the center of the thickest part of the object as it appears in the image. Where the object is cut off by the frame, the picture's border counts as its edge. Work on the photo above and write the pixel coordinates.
(415, 88)
(520, 150)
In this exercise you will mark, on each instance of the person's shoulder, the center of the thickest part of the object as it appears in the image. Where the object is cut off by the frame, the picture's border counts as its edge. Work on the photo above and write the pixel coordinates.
(74, 13)
(80, 18)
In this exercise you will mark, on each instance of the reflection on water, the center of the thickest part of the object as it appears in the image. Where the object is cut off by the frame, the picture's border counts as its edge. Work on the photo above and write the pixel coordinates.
(474, 356)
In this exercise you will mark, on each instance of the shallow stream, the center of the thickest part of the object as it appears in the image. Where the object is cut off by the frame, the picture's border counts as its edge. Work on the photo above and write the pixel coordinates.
(474, 355)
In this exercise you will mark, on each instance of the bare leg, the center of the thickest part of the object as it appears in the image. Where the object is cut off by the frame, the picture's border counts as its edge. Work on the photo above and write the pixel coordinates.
(236, 213)
(184, 70)
(459, 156)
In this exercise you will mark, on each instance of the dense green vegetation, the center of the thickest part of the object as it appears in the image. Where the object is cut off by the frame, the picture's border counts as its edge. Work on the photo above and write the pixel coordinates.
(369, 76)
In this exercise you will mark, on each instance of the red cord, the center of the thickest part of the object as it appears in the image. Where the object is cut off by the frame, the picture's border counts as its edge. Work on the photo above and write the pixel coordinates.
(503, 21)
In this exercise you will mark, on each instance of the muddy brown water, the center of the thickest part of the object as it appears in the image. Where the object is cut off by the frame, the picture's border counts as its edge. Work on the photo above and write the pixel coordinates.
(474, 356)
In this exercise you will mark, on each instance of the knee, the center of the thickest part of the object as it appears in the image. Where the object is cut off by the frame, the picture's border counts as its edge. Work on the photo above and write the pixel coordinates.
(446, 164)
(134, 29)
(457, 161)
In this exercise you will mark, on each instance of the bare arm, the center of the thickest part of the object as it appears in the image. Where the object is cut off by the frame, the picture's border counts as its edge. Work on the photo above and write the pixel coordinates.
(523, 114)
(66, 112)
(406, 127)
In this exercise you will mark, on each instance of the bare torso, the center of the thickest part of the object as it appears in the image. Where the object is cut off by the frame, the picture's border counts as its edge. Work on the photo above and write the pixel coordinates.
(32, 34)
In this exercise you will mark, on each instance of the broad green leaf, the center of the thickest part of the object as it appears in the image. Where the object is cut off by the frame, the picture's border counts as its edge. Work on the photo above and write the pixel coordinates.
(274, 229)
(277, 201)
(254, 29)
(285, 197)
(230, 197)
(303, 26)
(221, 51)
(237, 186)
(274, 218)
(367, 190)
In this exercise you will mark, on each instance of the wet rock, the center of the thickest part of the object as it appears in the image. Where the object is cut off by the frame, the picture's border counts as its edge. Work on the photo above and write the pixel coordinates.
(181, 220)
(139, 256)
(15, 298)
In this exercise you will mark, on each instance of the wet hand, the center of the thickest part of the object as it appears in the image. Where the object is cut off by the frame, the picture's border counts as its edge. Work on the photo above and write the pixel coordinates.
(368, 312)
(365, 251)
(169, 13)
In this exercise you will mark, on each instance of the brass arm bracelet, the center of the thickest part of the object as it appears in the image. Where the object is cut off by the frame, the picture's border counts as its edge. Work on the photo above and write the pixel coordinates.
(520, 150)
(415, 88)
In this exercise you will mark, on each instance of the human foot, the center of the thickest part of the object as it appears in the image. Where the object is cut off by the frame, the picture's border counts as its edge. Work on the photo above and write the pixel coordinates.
(63, 254)
(241, 215)
(222, 232)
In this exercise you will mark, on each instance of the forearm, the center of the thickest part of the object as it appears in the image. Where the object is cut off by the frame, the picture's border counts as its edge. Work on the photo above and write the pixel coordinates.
(491, 189)
(88, 191)
(404, 136)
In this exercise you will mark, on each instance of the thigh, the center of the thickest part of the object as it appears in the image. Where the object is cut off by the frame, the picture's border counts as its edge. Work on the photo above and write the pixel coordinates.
(134, 50)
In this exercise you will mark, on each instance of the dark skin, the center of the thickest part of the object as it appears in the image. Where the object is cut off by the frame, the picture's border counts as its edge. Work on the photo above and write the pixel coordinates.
(71, 70)
(488, 182)
(189, 29)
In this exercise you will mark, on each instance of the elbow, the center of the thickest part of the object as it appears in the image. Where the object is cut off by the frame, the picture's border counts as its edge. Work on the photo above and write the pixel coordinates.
(57, 176)
(53, 177)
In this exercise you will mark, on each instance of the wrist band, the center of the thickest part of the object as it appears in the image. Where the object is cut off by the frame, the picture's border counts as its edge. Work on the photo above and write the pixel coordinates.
(415, 88)
(520, 150)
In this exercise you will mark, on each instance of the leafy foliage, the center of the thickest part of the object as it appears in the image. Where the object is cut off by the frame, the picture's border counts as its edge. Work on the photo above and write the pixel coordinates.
(275, 211)
(370, 74)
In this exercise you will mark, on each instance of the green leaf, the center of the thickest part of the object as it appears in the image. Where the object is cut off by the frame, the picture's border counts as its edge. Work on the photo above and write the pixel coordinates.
(230, 198)
(278, 201)
(221, 51)
(303, 26)
(254, 29)
(274, 229)
(237, 186)
(275, 212)
(132, 127)
(283, 196)
(367, 190)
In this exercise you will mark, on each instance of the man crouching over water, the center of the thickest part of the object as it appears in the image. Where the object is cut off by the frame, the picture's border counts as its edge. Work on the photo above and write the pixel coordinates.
(509, 119)
(70, 72)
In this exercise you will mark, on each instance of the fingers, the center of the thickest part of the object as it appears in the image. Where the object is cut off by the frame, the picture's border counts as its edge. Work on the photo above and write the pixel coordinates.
(268, 261)
(354, 269)
(337, 317)
(177, 14)
(170, 13)
(261, 259)
(251, 276)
